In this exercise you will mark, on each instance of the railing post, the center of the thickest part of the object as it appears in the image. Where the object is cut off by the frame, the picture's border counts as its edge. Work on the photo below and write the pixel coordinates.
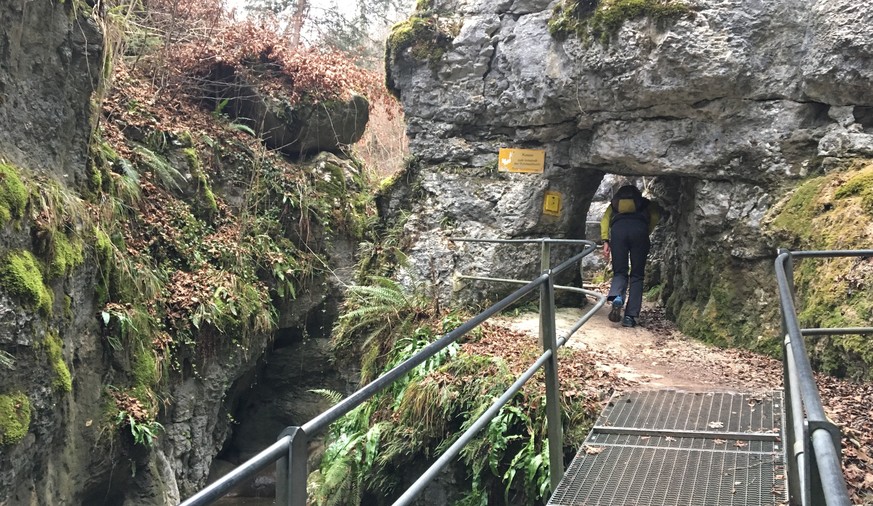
(796, 455)
(818, 494)
(796, 442)
(545, 256)
(549, 341)
(291, 471)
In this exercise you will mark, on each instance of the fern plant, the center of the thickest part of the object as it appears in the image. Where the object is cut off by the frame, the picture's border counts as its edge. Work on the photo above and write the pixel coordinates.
(7, 361)
(391, 325)
(374, 315)
(143, 432)
(169, 176)
(126, 187)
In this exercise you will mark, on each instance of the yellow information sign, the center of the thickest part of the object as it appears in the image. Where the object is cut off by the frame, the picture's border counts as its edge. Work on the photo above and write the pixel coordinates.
(531, 161)
(552, 204)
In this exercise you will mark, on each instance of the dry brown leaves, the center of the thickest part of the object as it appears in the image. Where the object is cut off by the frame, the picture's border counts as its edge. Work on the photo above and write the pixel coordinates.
(202, 44)
(132, 406)
(654, 319)
(187, 290)
(592, 450)
(577, 374)
(137, 103)
(850, 405)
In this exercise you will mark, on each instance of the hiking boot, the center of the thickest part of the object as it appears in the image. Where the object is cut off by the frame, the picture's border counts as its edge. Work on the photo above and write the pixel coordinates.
(615, 313)
(629, 321)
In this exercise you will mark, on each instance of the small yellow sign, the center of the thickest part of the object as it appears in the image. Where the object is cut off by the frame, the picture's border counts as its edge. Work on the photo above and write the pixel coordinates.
(552, 204)
(531, 161)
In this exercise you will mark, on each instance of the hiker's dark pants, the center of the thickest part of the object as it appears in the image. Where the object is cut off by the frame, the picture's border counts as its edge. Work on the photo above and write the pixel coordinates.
(629, 239)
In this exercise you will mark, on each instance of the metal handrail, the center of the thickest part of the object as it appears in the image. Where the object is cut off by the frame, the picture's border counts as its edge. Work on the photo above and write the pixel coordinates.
(289, 451)
(814, 471)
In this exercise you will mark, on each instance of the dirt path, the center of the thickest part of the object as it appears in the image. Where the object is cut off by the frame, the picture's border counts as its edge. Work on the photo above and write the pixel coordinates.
(655, 355)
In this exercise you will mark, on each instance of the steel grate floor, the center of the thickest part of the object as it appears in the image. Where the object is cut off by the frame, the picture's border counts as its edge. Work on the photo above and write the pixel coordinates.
(662, 448)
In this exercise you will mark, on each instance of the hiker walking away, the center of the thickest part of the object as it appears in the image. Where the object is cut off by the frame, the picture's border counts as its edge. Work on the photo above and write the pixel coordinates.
(625, 229)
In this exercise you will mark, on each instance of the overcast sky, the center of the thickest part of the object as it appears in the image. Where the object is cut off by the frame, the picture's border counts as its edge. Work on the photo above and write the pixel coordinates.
(347, 7)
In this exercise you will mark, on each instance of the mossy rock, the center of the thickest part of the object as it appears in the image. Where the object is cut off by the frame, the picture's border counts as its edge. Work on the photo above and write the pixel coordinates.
(144, 367)
(66, 254)
(207, 206)
(13, 194)
(828, 212)
(424, 38)
(21, 277)
(795, 215)
(14, 418)
(602, 19)
(722, 307)
(859, 185)
(103, 252)
(832, 212)
(63, 381)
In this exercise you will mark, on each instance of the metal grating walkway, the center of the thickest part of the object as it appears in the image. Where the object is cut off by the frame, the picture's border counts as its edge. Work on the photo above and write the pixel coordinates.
(658, 448)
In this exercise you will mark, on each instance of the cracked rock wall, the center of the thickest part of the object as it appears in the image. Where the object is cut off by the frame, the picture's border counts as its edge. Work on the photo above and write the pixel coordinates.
(723, 110)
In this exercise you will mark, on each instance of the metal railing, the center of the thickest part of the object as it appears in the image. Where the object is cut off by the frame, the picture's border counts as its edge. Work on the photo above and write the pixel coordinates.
(289, 452)
(812, 443)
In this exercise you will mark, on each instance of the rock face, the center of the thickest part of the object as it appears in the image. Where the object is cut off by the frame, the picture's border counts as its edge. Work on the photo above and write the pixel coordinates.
(726, 106)
(69, 448)
(51, 58)
(298, 129)
(51, 55)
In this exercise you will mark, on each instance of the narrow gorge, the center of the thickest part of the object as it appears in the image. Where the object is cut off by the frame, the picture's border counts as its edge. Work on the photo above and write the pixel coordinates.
(182, 218)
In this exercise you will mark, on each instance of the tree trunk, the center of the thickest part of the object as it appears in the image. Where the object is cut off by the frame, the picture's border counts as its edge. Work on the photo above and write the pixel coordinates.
(301, 11)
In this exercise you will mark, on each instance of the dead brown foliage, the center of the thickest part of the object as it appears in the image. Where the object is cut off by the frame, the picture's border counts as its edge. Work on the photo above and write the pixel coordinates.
(201, 45)
(578, 375)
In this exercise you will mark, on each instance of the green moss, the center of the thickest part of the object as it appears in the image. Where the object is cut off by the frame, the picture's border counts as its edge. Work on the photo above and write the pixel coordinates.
(720, 306)
(570, 17)
(832, 212)
(22, 279)
(423, 37)
(208, 205)
(340, 198)
(387, 183)
(611, 15)
(827, 212)
(67, 254)
(837, 293)
(68, 307)
(861, 185)
(144, 366)
(108, 60)
(14, 418)
(209, 199)
(103, 253)
(193, 160)
(653, 294)
(797, 213)
(95, 179)
(185, 139)
(63, 379)
(13, 194)
(103, 156)
(102, 245)
(603, 18)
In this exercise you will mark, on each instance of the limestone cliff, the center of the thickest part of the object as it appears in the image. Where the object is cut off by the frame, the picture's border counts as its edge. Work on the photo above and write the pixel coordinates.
(152, 248)
(722, 106)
